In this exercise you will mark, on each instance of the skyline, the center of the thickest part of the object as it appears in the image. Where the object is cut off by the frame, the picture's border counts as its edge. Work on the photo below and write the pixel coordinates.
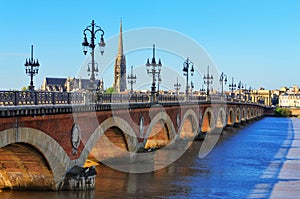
(247, 41)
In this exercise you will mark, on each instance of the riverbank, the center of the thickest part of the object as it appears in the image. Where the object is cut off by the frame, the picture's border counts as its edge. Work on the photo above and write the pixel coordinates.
(288, 185)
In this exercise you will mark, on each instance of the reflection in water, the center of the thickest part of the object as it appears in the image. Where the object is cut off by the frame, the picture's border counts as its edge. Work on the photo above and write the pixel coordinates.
(231, 170)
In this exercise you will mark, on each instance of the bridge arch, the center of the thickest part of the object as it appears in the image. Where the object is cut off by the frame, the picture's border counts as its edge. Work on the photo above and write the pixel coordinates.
(189, 125)
(166, 134)
(208, 121)
(244, 115)
(252, 113)
(256, 112)
(230, 117)
(248, 114)
(221, 121)
(238, 115)
(54, 154)
(117, 125)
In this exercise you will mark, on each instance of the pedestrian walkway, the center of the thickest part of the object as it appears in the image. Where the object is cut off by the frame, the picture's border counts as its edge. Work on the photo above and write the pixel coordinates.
(285, 169)
(288, 185)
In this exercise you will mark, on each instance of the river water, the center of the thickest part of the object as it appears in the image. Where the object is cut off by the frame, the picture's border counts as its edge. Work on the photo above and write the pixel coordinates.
(247, 162)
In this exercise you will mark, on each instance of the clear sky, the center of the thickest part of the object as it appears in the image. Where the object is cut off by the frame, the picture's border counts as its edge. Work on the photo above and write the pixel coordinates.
(255, 41)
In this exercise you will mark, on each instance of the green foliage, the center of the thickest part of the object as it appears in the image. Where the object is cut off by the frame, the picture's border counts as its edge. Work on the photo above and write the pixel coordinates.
(283, 112)
(25, 88)
(110, 90)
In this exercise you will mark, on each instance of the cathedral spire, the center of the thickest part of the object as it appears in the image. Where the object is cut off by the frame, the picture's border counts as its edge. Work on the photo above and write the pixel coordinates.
(120, 66)
(120, 47)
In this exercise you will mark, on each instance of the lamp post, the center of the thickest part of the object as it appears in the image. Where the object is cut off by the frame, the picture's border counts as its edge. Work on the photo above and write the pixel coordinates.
(202, 90)
(186, 65)
(131, 79)
(158, 83)
(177, 87)
(249, 94)
(223, 79)
(92, 29)
(240, 87)
(31, 68)
(232, 87)
(192, 87)
(154, 69)
(207, 80)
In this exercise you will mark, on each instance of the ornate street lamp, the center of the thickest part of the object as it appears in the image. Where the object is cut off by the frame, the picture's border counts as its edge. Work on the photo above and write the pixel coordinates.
(202, 90)
(249, 94)
(177, 87)
(92, 29)
(223, 79)
(240, 87)
(208, 80)
(31, 68)
(232, 87)
(131, 79)
(154, 69)
(186, 65)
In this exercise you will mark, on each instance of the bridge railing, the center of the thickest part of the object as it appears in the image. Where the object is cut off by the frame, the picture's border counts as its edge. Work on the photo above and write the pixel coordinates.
(19, 98)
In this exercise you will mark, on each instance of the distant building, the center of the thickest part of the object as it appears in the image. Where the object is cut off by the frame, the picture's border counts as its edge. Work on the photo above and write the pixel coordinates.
(294, 89)
(54, 84)
(261, 96)
(120, 66)
(289, 100)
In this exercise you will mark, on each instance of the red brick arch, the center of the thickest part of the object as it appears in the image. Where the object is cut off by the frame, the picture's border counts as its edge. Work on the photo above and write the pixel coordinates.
(54, 154)
(189, 125)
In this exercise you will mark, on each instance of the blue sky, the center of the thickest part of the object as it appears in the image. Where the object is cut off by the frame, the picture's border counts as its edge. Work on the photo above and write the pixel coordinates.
(257, 42)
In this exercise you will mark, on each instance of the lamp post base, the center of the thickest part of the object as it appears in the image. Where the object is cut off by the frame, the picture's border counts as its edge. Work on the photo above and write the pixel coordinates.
(31, 88)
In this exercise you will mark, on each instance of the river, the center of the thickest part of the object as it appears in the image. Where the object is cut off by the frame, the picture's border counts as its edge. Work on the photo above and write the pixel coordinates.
(257, 160)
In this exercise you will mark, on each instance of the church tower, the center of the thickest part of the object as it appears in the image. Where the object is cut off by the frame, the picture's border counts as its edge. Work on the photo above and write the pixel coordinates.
(120, 66)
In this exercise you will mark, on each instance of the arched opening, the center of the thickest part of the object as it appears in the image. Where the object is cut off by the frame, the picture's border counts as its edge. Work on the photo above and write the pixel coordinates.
(238, 116)
(221, 119)
(159, 136)
(206, 122)
(187, 131)
(22, 166)
(230, 117)
(248, 114)
(244, 115)
(110, 146)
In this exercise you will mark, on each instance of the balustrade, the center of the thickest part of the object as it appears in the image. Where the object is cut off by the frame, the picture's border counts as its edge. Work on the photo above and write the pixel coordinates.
(21, 98)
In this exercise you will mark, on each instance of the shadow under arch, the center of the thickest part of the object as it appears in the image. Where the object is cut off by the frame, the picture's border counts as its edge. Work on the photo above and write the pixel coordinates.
(237, 115)
(162, 123)
(221, 118)
(189, 125)
(54, 154)
(208, 121)
(112, 123)
(230, 117)
(248, 114)
(244, 115)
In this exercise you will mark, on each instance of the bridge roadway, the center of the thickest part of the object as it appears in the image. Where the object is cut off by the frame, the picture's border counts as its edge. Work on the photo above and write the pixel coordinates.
(40, 144)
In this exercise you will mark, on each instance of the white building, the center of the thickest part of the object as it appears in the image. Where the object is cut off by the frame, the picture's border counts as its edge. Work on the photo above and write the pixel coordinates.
(289, 100)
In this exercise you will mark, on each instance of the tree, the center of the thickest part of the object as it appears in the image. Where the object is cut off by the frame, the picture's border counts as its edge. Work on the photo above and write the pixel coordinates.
(283, 112)
(110, 90)
(25, 88)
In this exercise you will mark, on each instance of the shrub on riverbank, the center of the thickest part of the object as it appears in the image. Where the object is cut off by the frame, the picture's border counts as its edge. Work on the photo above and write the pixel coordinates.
(283, 112)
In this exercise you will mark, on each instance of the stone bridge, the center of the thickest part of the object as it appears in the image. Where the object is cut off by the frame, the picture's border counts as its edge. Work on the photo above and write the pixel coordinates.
(40, 144)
